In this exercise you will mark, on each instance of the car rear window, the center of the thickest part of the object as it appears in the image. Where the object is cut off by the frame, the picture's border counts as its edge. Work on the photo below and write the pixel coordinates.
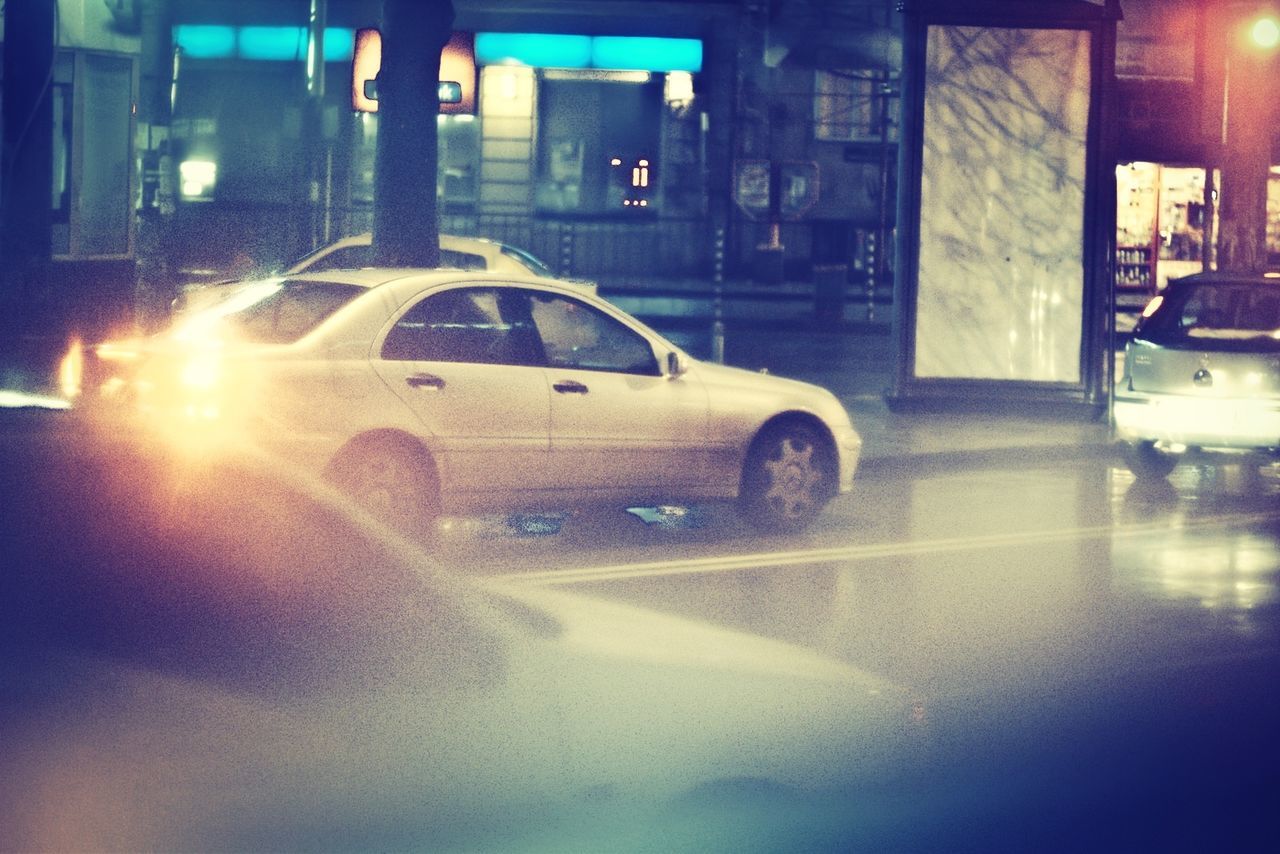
(1230, 315)
(535, 265)
(461, 260)
(284, 313)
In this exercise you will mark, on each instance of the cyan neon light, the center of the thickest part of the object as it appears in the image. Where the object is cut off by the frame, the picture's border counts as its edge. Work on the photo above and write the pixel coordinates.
(273, 43)
(339, 44)
(538, 50)
(205, 41)
(623, 53)
(632, 53)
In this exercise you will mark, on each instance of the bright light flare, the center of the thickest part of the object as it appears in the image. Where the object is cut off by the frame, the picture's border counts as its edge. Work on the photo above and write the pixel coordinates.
(181, 386)
(14, 399)
(1265, 32)
(1153, 306)
(197, 177)
(71, 370)
(203, 372)
(118, 351)
(678, 87)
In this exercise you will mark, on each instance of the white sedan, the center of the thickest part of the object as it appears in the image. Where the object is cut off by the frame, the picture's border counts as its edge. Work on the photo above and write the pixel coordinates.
(425, 392)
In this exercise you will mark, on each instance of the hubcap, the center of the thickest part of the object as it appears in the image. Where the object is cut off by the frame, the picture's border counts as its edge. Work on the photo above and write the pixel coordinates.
(793, 478)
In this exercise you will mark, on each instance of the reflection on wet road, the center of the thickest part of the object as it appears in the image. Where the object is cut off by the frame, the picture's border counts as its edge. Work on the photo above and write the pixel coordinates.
(1052, 554)
(1077, 639)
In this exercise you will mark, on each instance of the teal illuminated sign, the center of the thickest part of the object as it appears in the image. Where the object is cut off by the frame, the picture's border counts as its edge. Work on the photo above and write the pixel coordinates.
(536, 50)
(624, 53)
(631, 53)
(204, 41)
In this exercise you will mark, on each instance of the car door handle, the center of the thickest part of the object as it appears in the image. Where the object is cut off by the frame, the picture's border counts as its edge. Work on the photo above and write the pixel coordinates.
(424, 381)
(570, 387)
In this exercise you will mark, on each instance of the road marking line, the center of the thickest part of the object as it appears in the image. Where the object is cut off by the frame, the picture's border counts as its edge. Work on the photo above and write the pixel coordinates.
(763, 560)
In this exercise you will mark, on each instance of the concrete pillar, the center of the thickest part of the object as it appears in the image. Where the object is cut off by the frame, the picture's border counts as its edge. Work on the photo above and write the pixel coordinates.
(405, 222)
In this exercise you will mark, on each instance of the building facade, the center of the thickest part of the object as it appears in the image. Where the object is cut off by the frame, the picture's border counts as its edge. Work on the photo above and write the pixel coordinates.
(739, 139)
(615, 140)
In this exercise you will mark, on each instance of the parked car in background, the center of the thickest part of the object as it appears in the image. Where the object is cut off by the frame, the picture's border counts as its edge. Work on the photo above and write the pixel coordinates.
(356, 252)
(1202, 373)
(433, 391)
(460, 253)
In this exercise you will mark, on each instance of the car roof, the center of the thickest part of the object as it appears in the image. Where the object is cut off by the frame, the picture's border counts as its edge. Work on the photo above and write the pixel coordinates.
(1228, 277)
(372, 277)
(448, 241)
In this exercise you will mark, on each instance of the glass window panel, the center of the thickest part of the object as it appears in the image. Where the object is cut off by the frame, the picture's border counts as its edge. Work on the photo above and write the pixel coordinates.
(850, 105)
(576, 335)
(104, 221)
(474, 325)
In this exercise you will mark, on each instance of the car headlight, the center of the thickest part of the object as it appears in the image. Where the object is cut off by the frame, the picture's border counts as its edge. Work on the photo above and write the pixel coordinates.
(202, 372)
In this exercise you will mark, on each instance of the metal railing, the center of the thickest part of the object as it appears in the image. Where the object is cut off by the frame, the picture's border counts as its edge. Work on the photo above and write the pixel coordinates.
(599, 250)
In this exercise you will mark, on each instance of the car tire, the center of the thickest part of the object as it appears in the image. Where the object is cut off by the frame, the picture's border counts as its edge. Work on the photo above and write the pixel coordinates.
(392, 479)
(1145, 460)
(787, 479)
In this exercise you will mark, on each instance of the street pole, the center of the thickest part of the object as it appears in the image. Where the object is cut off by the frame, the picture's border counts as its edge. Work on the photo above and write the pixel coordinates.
(156, 289)
(317, 146)
(717, 303)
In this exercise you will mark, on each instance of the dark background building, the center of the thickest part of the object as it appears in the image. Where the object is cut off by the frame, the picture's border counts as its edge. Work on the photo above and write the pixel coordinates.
(767, 128)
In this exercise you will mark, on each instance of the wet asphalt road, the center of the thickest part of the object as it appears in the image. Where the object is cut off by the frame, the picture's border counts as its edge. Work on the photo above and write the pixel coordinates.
(1092, 660)
(1096, 657)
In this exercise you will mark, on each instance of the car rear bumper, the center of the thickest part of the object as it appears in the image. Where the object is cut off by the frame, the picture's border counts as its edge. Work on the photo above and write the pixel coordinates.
(1200, 422)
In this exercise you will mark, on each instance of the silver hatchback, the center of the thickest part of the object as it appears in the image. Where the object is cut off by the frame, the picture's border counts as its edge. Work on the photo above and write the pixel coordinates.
(1202, 373)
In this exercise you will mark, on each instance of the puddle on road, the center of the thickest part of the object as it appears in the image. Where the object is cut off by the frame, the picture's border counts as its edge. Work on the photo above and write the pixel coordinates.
(667, 517)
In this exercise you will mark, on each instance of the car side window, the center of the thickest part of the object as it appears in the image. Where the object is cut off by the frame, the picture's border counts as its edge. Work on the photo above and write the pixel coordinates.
(474, 325)
(577, 335)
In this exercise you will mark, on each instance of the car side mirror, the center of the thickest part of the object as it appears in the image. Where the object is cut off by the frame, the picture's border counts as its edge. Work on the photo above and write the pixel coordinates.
(677, 365)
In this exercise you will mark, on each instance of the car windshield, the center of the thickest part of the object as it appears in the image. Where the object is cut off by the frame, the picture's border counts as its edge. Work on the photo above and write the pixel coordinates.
(1240, 314)
(284, 311)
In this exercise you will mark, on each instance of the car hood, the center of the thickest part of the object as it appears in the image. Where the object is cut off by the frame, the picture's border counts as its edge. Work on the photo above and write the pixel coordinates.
(588, 718)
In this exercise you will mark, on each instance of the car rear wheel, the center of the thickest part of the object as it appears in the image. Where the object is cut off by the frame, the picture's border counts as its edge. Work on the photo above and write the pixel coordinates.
(391, 479)
(1145, 460)
(787, 478)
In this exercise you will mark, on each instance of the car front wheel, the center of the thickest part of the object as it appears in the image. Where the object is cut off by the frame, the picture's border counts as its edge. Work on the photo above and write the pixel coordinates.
(1145, 460)
(787, 478)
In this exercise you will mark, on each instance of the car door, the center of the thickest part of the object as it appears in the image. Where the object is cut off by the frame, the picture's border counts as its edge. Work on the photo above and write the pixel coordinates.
(618, 423)
(476, 381)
